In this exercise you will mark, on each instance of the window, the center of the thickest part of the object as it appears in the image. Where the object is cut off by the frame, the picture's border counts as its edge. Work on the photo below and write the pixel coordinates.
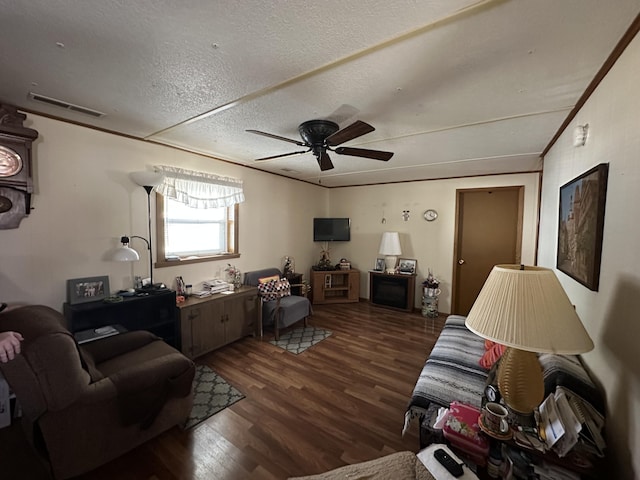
(192, 235)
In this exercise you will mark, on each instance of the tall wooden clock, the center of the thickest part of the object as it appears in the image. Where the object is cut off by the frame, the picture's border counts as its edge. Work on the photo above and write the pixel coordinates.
(16, 180)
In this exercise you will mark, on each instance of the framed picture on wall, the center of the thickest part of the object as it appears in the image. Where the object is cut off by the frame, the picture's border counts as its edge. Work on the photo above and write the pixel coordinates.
(89, 289)
(581, 226)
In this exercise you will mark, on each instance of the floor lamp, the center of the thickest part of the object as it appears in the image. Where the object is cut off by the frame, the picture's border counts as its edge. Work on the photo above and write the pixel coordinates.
(148, 180)
(527, 310)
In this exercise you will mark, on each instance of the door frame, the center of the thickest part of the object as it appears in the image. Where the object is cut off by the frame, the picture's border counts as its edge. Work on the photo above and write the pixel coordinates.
(456, 232)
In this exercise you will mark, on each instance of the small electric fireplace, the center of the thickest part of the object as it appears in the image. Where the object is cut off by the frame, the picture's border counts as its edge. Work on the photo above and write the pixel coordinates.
(393, 291)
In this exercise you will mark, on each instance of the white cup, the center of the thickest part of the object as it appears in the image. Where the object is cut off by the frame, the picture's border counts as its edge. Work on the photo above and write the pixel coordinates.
(494, 417)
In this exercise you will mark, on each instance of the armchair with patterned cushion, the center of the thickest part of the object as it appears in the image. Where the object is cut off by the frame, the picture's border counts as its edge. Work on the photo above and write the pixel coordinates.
(84, 405)
(279, 307)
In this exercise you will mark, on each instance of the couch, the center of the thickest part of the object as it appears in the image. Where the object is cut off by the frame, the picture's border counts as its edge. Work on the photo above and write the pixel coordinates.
(84, 405)
(453, 372)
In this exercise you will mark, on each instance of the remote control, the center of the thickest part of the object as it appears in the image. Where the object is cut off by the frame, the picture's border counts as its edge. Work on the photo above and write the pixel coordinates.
(448, 462)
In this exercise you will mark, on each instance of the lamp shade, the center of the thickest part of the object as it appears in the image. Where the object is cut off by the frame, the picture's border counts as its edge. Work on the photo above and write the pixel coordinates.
(146, 178)
(390, 244)
(125, 254)
(527, 308)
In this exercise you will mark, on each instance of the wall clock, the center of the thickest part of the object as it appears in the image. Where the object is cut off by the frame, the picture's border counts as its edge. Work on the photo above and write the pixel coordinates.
(430, 215)
(16, 184)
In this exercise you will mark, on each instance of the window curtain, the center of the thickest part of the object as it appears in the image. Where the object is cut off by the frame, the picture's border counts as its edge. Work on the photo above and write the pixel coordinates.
(199, 189)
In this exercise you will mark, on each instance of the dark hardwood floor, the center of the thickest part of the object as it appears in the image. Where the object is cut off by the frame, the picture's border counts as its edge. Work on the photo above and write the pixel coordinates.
(340, 402)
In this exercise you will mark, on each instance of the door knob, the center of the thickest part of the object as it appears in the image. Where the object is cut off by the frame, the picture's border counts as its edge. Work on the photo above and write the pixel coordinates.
(460, 262)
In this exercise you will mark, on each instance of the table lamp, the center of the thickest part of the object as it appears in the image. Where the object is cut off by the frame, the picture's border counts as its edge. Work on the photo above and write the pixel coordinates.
(527, 310)
(390, 248)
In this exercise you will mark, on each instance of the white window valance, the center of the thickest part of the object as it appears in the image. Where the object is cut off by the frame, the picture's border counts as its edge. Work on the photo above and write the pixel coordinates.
(199, 189)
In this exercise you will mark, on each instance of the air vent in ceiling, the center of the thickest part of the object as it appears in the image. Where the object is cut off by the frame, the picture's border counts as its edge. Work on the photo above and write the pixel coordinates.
(66, 105)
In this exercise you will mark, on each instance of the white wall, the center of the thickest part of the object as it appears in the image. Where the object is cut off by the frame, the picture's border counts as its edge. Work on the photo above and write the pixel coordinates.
(84, 201)
(611, 314)
(430, 243)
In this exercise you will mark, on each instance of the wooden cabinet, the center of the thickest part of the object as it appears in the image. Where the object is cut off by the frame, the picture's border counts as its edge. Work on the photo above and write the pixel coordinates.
(335, 286)
(395, 291)
(212, 322)
(154, 312)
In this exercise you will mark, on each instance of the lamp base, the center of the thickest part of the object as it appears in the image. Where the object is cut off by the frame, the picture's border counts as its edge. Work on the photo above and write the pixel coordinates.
(520, 380)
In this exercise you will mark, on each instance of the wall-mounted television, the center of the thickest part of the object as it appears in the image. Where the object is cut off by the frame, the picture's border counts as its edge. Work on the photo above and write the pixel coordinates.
(331, 229)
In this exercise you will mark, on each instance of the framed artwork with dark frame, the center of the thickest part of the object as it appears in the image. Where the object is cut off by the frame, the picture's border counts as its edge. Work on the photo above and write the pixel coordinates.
(407, 266)
(89, 289)
(581, 226)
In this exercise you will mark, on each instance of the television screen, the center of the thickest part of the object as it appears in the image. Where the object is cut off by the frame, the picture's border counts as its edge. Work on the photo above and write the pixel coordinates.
(331, 230)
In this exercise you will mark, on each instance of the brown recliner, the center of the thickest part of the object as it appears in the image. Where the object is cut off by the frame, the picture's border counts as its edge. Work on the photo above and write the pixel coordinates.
(86, 405)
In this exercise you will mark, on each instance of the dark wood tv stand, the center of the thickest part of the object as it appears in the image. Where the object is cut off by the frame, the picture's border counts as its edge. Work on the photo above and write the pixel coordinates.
(396, 291)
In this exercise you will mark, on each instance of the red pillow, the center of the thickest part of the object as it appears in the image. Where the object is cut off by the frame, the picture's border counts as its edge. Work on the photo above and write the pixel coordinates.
(493, 351)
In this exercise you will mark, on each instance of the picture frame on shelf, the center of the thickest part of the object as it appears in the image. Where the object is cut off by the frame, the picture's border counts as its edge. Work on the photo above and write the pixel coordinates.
(88, 289)
(379, 266)
(407, 266)
(581, 226)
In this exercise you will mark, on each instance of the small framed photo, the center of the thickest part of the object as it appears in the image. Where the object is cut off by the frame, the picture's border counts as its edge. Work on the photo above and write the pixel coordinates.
(90, 289)
(407, 266)
(379, 266)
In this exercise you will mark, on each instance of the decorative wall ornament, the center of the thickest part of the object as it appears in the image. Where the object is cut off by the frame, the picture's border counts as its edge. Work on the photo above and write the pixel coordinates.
(16, 184)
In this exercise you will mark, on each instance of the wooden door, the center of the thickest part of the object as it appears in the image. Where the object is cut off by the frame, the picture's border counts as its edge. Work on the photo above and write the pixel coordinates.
(488, 232)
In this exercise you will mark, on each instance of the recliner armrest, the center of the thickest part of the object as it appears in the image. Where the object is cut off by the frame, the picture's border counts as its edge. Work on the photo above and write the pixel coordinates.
(116, 345)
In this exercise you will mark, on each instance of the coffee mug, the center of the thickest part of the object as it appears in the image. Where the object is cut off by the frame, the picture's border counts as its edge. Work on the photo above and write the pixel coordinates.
(494, 417)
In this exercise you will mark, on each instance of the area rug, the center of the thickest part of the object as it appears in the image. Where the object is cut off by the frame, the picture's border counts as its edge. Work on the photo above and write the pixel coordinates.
(298, 340)
(211, 394)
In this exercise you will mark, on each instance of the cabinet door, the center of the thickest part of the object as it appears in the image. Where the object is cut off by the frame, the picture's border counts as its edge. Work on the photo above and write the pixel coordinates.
(208, 328)
(251, 313)
(354, 286)
(234, 318)
(317, 285)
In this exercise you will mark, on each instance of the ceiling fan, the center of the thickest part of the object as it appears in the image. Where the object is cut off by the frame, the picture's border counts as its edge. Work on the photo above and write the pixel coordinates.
(321, 135)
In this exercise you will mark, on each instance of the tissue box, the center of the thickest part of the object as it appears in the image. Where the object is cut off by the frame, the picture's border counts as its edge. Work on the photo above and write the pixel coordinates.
(462, 431)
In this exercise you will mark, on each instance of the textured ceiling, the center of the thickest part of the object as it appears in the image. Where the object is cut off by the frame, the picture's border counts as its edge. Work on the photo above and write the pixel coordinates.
(453, 87)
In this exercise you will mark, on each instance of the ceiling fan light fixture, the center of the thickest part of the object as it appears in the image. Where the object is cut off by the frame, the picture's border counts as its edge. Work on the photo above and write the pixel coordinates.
(315, 132)
(321, 135)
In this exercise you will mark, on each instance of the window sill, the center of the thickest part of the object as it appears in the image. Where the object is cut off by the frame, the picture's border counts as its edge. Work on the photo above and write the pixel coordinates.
(186, 261)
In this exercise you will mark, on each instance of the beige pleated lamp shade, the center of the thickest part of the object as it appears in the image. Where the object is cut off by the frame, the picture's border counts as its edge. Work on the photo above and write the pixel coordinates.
(527, 308)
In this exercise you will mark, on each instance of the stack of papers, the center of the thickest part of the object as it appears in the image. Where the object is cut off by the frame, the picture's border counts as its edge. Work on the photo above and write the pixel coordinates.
(202, 293)
(565, 419)
(216, 285)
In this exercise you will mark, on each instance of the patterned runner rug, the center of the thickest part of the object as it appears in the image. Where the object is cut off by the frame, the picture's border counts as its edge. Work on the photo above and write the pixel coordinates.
(298, 340)
(211, 395)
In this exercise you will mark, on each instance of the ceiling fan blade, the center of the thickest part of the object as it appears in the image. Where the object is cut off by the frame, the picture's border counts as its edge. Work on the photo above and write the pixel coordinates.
(356, 129)
(282, 155)
(325, 162)
(363, 152)
(277, 137)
